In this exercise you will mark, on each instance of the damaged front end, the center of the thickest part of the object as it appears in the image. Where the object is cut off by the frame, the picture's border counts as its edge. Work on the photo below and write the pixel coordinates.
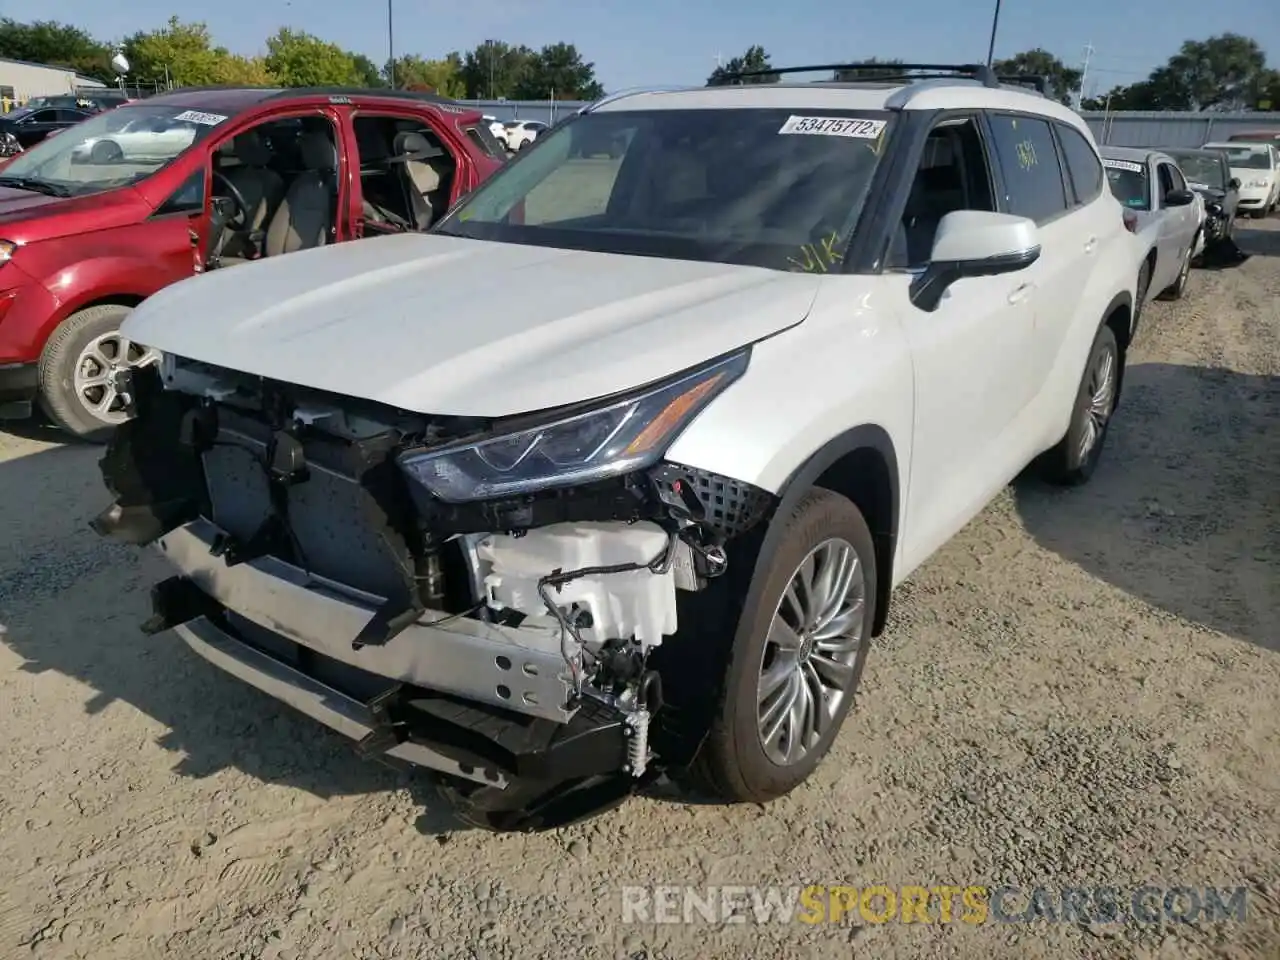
(536, 609)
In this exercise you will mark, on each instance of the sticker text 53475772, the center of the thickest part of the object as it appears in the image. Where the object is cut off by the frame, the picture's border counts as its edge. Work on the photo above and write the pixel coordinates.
(1123, 165)
(196, 116)
(834, 127)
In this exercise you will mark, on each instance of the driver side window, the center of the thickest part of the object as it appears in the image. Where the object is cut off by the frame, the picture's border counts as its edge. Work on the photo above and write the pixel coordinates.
(954, 174)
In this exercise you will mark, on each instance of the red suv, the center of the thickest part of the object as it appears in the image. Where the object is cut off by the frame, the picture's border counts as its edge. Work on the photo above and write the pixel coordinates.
(101, 216)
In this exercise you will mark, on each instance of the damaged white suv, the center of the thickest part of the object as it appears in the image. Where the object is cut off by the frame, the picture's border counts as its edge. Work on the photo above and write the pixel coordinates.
(776, 344)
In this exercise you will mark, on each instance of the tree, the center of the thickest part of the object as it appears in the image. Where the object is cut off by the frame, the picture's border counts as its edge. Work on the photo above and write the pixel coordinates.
(755, 58)
(299, 59)
(59, 44)
(182, 52)
(494, 69)
(558, 70)
(432, 76)
(1227, 72)
(367, 72)
(1063, 81)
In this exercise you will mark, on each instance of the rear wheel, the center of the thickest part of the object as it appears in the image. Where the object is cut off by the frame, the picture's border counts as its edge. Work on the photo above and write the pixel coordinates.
(1179, 287)
(78, 367)
(1073, 461)
(1144, 284)
(797, 658)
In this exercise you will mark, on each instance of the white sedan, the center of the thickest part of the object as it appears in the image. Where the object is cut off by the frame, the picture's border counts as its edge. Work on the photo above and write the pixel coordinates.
(521, 133)
(147, 138)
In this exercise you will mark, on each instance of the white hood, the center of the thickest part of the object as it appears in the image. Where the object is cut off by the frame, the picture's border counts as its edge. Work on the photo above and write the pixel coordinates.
(444, 325)
(1247, 175)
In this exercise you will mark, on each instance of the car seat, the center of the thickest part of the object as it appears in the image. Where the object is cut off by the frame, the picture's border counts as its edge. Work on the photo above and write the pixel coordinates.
(305, 216)
(421, 169)
(261, 187)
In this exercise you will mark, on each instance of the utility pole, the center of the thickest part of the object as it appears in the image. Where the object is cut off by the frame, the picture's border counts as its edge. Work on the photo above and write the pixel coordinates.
(391, 46)
(995, 23)
(1084, 72)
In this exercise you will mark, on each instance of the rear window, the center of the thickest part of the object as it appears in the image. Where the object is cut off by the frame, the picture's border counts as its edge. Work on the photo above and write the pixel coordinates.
(756, 187)
(1129, 183)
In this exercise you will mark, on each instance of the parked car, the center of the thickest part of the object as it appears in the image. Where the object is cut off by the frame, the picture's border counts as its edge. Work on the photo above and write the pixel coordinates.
(521, 133)
(29, 126)
(1257, 167)
(90, 103)
(1208, 173)
(1164, 213)
(497, 128)
(789, 345)
(1256, 136)
(99, 218)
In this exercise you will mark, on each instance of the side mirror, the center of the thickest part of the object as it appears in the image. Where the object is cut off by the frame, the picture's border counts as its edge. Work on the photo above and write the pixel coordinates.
(1179, 198)
(1233, 183)
(974, 243)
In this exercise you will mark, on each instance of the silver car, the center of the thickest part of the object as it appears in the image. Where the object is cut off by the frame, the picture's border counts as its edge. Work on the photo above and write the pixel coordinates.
(1163, 211)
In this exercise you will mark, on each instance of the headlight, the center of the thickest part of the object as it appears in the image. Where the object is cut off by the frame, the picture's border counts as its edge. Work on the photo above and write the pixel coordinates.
(1257, 183)
(625, 435)
(7, 249)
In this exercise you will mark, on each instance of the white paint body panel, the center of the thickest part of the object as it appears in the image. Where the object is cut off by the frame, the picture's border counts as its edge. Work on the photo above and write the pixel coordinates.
(405, 320)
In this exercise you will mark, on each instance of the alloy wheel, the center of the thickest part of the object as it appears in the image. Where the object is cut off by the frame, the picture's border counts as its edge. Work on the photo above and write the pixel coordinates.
(96, 369)
(809, 660)
(1101, 398)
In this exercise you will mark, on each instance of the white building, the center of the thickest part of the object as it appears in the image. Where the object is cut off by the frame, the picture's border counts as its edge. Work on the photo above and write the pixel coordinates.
(20, 80)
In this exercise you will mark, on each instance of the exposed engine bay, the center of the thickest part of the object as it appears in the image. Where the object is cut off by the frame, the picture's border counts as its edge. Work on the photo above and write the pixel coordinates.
(546, 653)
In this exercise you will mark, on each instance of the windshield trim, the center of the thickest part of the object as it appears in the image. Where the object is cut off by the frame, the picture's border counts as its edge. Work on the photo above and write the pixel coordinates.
(664, 245)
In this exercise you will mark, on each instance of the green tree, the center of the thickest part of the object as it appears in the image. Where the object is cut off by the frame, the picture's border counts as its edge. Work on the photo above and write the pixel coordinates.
(442, 76)
(299, 59)
(57, 44)
(183, 52)
(1063, 81)
(754, 58)
(558, 70)
(1221, 73)
(494, 69)
(368, 73)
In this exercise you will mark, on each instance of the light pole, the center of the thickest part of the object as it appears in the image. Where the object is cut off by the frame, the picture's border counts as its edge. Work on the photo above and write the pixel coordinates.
(391, 47)
(995, 22)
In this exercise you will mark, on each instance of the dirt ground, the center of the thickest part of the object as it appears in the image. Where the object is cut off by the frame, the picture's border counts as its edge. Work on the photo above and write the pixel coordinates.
(1082, 688)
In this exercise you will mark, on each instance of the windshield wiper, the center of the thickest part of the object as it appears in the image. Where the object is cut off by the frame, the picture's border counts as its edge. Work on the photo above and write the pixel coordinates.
(36, 186)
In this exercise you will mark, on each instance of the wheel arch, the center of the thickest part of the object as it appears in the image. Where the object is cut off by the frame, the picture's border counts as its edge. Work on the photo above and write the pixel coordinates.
(861, 465)
(1119, 317)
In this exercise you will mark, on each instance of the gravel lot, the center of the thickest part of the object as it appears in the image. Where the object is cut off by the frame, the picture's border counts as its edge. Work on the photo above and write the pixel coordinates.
(1082, 688)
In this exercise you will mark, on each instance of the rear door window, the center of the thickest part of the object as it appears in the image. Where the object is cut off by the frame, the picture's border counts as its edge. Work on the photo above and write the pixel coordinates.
(1082, 164)
(1028, 157)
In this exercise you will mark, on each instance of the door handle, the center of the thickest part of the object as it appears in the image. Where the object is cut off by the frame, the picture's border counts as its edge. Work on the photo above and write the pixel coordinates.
(1020, 293)
(1090, 245)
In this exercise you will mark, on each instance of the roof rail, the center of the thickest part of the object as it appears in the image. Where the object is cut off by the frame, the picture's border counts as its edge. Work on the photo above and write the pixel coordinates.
(973, 71)
(628, 92)
(1037, 82)
(366, 92)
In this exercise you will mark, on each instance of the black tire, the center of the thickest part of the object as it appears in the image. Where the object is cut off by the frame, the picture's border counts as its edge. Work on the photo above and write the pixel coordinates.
(58, 361)
(1066, 464)
(732, 764)
(1179, 287)
(104, 151)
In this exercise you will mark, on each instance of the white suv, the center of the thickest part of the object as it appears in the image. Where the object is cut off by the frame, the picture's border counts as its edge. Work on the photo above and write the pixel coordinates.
(777, 344)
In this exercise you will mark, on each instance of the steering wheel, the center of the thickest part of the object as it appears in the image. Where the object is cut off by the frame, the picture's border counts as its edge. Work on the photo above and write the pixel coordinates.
(240, 222)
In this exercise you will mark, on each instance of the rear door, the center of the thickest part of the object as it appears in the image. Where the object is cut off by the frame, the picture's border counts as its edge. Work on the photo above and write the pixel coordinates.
(1174, 236)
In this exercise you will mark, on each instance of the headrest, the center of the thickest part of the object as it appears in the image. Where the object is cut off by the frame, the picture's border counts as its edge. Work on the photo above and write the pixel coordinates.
(317, 152)
(413, 146)
(250, 149)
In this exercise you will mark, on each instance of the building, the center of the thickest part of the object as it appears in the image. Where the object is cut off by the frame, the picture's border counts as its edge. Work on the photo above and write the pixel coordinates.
(20, 81)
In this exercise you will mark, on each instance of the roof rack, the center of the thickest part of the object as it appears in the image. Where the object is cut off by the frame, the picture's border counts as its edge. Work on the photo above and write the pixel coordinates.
(365, 92)
(973, 71)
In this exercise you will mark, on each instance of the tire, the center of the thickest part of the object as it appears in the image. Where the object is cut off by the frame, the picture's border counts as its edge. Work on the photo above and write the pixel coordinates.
(1071, 463)
(1140, 292)
(86, 341)
(1179, 287)
(104, 151)
(733, 764)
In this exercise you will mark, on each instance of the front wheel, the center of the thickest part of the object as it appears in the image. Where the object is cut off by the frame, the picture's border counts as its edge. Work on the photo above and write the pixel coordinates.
(1073, 461)
(1179, 288)
(78, 368)
(797, 657)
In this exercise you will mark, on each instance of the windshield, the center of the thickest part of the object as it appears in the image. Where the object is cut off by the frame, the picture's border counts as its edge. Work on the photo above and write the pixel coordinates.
(748, 186)
(1128, 181)
(112, 149)
(1201, 170)
(1247, 158)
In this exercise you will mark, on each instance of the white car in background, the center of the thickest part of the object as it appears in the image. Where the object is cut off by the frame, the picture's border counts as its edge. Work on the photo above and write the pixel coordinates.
(521, 133)
(147, 138)
(1162, 211)
(1257, 167)
(496, 127)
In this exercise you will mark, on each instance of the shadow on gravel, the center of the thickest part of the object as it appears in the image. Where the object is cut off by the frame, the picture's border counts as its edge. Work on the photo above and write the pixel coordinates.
(71, 602)
(1183, 512)
(1259, 241)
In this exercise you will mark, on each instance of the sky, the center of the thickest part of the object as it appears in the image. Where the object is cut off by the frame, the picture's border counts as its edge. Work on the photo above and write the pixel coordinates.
(677, 41)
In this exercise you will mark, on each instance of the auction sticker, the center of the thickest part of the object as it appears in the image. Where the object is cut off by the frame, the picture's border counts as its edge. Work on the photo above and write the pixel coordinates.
(195, 116)
(834, 127)
(1124, 165)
